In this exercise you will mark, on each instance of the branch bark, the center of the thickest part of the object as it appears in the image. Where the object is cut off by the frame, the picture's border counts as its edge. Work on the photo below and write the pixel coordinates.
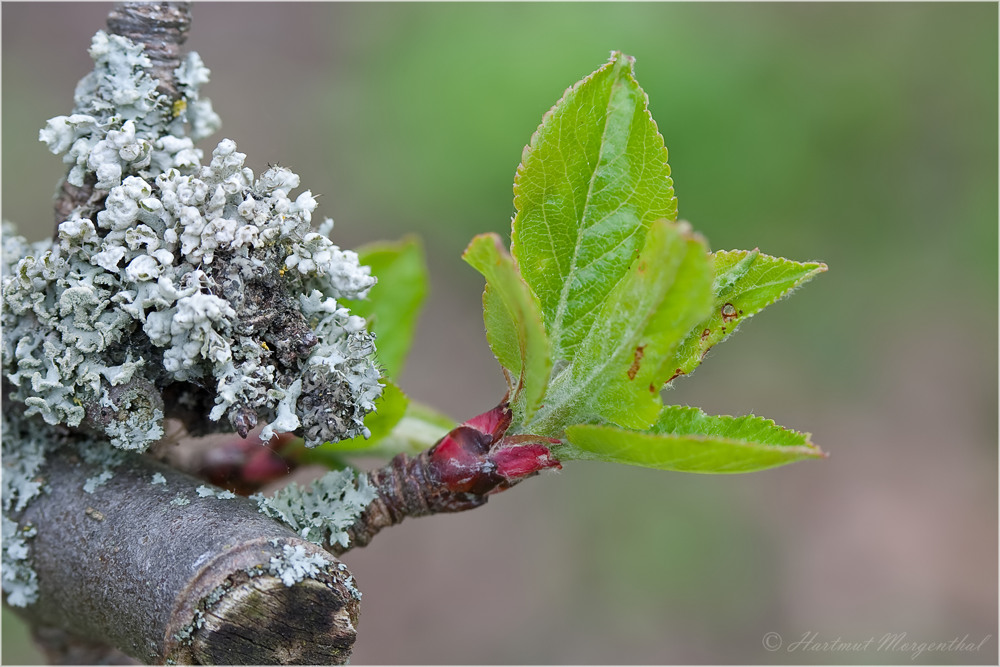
(460, 472)
(130, 566)
(405, 487)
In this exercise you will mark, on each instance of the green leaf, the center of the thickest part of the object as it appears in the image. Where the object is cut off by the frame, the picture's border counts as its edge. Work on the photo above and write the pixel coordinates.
(745, 283)
(685, 439)
(591, 181)
(393, 304)
(618, 370)
(501, 332)
(513, 321)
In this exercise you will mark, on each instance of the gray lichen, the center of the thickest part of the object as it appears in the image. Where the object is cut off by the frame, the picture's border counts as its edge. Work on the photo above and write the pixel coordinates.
(173, 288)
(209, 492)
(322, 512)
(23, 453)
(20, 582)
(195, 279)
(93, 483)
(349, 582)
(295, 565)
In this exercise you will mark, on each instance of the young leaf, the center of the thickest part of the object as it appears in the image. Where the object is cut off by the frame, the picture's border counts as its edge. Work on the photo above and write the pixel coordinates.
(513, 321)
(618, 370)
(591, 181)
(393, 304)
(685, 439)
(745, 283)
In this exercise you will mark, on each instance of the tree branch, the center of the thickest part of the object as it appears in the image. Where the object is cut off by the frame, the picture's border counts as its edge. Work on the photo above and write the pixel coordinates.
(460, 472)
(132, 566)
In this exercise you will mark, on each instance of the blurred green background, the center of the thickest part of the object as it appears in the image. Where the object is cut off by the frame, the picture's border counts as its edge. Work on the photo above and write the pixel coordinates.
(863, 135)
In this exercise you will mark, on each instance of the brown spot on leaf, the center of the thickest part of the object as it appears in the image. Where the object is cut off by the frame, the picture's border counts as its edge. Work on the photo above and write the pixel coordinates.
(652, 388)
(634, 369)
(677, 373)
(729, 313)
(705, 334)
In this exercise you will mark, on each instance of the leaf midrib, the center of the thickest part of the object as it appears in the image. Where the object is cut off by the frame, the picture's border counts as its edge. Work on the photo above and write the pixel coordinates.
(584, 386)
(557, 325)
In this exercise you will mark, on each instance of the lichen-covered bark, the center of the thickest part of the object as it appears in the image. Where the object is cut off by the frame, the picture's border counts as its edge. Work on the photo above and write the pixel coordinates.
(166, 270)
(161, 27)
(132, 566)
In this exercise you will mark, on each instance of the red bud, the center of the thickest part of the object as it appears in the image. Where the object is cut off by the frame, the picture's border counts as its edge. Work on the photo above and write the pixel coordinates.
(495, 422)
(516, 462)
(477, 458)
(458, 458)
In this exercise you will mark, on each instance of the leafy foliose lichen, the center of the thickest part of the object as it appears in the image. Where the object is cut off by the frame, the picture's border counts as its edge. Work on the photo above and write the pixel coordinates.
(323, 512)
(295, 565)
(20, 583)
(23, 453)
(199, 281)
(209, 492)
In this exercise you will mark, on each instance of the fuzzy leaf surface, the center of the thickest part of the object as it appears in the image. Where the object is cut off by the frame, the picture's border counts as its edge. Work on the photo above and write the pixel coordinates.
(514, 326)
(591, 181)
(685, 439)
(746, 282)
(393, 304)
(618, 370)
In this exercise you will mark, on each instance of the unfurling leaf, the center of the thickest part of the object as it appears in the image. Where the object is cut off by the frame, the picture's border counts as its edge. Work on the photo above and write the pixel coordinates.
(617, 372)
(592, 180)
(605, 297)
(685, 439)
(517, 335)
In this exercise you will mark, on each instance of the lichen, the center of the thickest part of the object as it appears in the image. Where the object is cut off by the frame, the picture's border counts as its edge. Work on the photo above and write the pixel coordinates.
(20, 582)
(208, 492)
(195, 278)
(349, 582)
(23, 453)
(178, 288)
(93, 483)
(295, 565)
(322, 512)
